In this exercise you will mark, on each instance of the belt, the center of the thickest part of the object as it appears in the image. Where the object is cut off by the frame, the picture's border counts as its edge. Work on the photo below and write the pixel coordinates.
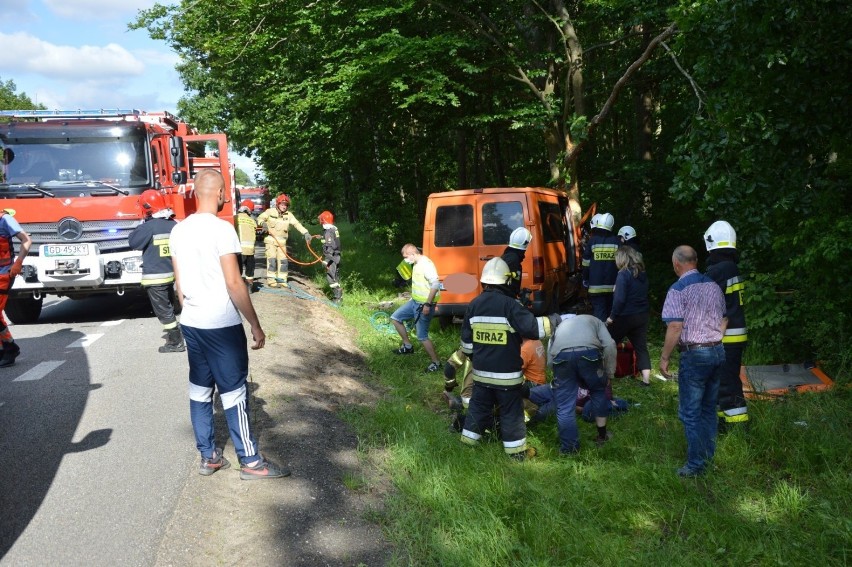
(577, 348)
(693, 346)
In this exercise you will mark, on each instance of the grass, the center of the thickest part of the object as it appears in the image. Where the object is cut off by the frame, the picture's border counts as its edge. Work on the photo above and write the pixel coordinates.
(778, 494)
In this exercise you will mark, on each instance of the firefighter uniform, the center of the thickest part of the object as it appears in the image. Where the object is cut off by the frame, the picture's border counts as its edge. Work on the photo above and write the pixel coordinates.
(331, 259)
(277, 225)
(722, 268)
(599, 270)
(247, 231)
(158, 277)
(9, 229)
(491, 334)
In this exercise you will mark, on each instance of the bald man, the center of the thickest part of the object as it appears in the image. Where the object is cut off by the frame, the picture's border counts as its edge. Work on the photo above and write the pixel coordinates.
(694, 314)
(211, 291)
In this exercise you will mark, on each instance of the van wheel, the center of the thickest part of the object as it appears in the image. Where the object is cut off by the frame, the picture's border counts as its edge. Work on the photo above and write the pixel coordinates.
(445, 321)
(23, 310)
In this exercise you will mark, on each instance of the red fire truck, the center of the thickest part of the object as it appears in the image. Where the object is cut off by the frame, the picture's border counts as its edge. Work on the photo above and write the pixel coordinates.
(73, 179)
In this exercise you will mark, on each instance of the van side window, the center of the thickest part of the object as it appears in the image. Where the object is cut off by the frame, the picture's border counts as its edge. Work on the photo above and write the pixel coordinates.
(553, 223)
(499, 220)
(454, 226)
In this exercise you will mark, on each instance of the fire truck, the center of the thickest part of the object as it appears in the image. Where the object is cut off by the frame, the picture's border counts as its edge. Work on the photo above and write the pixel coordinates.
(257, 195)
(73, 179)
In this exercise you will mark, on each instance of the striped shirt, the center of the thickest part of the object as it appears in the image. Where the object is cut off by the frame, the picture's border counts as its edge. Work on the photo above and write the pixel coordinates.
(696, 301)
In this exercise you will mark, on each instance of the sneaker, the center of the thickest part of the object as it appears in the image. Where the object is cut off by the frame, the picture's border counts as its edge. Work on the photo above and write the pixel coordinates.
(600, 441)
(263, 469)
(687, 472)
(528, 453)
(433, 367)
(215, 463)
(404, 350)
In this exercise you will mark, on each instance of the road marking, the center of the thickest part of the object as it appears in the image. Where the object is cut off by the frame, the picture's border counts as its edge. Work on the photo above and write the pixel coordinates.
(112, 323)
(40, 370)
(85, 341)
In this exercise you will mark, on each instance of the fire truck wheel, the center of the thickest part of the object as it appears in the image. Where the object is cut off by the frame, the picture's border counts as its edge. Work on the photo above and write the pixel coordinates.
(23, 310)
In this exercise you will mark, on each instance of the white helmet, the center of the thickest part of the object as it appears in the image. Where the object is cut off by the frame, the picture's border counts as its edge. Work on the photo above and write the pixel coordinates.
(604, 221)
(720, 235)
(627, 232)
(594, 222)
(496, 271)
(520, 238)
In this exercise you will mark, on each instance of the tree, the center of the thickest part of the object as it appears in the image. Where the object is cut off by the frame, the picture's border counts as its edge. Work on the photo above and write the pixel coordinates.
(10, 100)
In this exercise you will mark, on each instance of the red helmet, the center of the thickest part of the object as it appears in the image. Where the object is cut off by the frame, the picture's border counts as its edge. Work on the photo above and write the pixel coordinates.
(282, 199)
(247, 204)
(326, 217)
(150, 202)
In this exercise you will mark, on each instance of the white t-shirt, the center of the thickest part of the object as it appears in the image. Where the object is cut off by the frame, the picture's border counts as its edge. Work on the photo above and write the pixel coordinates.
(197, 244)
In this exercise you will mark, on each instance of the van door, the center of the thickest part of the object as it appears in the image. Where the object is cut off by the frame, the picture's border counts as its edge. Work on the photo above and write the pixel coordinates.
(553, 249)
(449, 241)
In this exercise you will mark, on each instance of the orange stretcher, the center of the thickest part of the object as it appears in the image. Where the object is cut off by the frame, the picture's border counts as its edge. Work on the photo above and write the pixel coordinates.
(782, 379)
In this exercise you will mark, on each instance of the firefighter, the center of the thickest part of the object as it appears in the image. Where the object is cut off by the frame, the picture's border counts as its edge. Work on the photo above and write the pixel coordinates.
(10, 268)
(158, 277)
(627, 234)
(514, 254)
(599, 271)
(247, 230)
(277, 221)
(721, 242)
(331, 253)
(491, 334)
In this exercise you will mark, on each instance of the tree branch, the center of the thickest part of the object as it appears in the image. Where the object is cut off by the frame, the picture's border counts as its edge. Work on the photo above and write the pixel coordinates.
(695, 87)
(619, 86)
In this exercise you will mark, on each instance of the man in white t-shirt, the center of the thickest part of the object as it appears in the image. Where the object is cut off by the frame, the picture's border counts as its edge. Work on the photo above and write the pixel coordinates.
(204, 251)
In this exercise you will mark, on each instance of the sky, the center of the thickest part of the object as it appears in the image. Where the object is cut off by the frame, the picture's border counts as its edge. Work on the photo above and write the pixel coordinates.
(79, 54)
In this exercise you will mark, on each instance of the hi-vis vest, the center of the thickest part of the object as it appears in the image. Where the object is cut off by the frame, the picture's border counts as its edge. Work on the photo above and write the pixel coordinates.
(420, 286)
(247, 230)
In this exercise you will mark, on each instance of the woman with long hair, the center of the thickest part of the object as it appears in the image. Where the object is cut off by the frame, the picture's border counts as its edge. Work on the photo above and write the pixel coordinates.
(629, 315)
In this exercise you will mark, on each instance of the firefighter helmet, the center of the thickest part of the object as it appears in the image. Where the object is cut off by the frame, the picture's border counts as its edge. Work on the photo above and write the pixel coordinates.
(627, 232)
(247, 204)
(496, 272)
(605, 221)
(282, 198)
(326, 217)
(150, 202)
(720, 235)
(520, 238)
(594, 220)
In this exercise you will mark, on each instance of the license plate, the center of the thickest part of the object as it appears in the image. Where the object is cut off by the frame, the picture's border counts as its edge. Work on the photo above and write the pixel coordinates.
(51, 250)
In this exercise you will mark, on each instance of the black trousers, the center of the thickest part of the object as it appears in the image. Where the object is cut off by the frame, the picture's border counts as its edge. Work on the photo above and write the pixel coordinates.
(635, 328)
(161, 297)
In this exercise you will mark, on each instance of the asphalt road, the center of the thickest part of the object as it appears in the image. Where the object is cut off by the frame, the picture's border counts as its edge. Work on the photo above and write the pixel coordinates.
(95, 439)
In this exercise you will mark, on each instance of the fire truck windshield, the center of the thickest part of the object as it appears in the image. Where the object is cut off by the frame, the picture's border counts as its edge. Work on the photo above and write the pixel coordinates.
(74, 165)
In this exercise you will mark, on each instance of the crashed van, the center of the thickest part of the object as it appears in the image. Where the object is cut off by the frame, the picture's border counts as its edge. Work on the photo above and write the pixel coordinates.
(464, 229)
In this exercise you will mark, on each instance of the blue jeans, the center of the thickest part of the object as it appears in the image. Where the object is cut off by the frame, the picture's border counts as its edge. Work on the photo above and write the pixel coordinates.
(408, 312)
(698, 392)
(570, 369)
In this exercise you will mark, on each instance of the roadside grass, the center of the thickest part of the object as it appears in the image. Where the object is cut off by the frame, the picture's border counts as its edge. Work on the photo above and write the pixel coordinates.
(777, 494)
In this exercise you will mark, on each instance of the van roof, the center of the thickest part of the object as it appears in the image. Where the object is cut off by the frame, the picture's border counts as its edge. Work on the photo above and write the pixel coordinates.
(497, 191)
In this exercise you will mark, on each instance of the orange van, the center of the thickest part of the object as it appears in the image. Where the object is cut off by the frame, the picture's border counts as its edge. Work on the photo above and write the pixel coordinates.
(464, 229)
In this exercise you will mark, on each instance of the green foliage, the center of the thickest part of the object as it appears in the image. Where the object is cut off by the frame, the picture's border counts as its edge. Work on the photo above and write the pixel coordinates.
(11, 100)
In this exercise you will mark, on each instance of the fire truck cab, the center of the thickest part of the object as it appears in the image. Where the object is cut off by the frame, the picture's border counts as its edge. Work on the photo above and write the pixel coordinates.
(73, 179)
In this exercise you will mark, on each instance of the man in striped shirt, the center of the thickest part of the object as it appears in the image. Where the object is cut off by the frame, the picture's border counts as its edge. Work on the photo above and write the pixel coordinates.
(694, 312)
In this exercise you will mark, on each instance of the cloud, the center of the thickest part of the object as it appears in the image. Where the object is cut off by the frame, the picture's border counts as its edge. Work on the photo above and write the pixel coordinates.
(28, 54)
(88, 10)
(15, 10)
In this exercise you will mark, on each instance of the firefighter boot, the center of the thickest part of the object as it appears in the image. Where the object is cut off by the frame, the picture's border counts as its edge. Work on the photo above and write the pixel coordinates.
(174, 341)
(10, 352)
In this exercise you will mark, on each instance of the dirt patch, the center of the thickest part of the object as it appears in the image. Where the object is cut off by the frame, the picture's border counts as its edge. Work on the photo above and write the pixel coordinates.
(308, 370)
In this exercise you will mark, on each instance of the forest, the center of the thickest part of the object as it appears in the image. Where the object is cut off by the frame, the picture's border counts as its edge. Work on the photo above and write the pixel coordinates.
(668, 114)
